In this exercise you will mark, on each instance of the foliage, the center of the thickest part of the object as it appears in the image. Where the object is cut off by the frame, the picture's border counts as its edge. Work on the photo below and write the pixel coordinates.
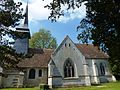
(43, 39)
(105, 30)
(101, 25)
(44, 87)
(56, 7)
(10, 14)
(8, 57)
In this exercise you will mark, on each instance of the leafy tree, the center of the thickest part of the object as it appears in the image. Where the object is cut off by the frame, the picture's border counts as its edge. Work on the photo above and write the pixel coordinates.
(43, 39)
(104, 29)
(10, 14)
(101, 25)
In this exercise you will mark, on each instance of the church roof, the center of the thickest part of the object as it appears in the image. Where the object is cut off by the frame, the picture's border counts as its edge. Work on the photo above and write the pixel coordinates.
(91, 51)
(40, 58)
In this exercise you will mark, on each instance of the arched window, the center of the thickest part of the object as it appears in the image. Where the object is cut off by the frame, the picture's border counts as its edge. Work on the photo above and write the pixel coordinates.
(32, 74)
(102, 69)
(68, 68)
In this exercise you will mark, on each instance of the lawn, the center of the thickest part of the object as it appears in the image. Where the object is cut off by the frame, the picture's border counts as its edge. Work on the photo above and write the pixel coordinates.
(107, 86)
(36, 88)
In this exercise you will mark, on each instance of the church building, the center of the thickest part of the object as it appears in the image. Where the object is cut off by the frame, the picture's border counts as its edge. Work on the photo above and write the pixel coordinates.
(70, 64)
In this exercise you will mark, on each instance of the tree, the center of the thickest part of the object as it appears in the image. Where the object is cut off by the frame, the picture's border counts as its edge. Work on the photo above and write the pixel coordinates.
(43, 39)
(104, 29)
(10, 14)
(101, 25)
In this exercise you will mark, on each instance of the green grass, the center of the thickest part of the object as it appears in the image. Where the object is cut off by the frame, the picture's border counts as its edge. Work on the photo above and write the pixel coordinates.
(36, 88)
(107, 86)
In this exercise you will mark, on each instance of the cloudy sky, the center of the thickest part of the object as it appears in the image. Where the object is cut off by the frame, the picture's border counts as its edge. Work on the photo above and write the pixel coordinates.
(38, 18)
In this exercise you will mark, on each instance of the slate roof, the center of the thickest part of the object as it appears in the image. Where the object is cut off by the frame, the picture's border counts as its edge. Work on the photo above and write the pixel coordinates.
(40, 58)
(91, 51)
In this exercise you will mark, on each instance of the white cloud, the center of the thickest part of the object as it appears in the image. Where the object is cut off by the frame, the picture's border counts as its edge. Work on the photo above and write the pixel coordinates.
(38, 12)
(73, 14)
(36, 9)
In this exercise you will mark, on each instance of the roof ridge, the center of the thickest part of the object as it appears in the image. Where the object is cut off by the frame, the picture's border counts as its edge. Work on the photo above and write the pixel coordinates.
(83, 44)
(41, 48)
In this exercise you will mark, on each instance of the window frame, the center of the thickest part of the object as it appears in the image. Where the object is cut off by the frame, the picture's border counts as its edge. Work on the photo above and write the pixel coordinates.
(69, 68)
(32, 73)
(102, 69)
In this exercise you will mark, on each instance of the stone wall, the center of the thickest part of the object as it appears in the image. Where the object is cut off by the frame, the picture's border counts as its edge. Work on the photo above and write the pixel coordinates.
(13, 78)
(66, 50)
(95, 72)
(69, 50)
(37, 80)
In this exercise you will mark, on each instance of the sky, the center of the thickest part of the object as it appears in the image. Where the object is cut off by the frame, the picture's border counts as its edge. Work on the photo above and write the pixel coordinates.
(38, 18)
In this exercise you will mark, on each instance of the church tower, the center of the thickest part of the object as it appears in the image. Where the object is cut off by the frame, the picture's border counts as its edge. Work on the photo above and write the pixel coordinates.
(23, 35)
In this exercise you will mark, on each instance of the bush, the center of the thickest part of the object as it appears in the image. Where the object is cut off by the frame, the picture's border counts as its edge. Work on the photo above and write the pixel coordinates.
(44, 87)
(28, 86)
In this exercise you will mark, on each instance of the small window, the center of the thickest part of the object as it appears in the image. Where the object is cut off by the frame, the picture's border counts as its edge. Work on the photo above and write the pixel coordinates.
(65, 45)
(40, 73)
(32, 74)
(69, 44)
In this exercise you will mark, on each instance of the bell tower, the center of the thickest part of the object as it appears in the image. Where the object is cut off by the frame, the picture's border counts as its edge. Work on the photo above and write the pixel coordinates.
(23, 35)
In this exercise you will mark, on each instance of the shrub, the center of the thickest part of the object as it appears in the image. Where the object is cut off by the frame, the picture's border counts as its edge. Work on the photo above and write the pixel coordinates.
(28, 86)
(44, 87)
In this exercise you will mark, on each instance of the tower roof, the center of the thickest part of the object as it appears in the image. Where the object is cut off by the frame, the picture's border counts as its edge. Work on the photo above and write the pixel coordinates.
(26, 16)
(23, 28)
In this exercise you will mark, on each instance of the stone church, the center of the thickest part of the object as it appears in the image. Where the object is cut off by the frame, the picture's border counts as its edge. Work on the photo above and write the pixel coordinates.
(70, 64)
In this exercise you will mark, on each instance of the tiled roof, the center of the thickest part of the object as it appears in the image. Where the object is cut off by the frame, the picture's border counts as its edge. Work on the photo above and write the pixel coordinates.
(91, 51)
(40, 58)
